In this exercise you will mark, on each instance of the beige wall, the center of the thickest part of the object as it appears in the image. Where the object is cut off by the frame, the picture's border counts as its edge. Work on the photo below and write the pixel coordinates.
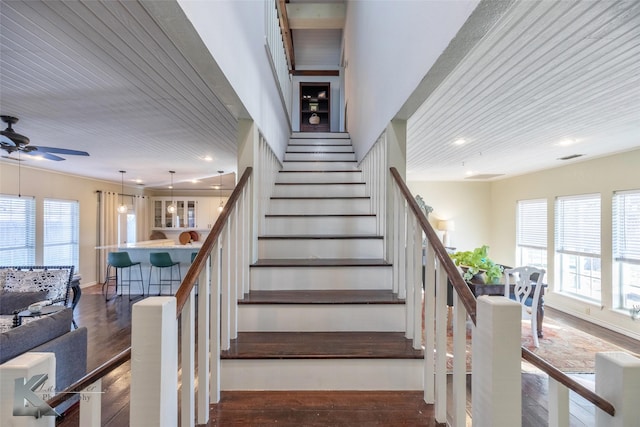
(41, 184)
(468, 204)
(484, 213)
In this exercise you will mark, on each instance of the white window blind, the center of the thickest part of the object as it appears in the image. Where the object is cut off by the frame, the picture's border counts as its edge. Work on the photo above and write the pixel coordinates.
(17, 230)
(61, 231)
(532, 223)
(578, 225)
(626, 226)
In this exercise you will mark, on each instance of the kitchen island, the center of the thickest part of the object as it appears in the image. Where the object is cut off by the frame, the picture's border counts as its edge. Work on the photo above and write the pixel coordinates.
(139, 252)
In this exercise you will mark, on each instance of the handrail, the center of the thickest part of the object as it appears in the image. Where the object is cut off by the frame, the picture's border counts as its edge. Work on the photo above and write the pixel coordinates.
(458, 283)
(90, 378)
(200, 260)
(469, 300)
(567, 381)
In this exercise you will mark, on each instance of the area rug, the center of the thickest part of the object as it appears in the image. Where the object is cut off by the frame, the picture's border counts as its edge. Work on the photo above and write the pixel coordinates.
(568, 349)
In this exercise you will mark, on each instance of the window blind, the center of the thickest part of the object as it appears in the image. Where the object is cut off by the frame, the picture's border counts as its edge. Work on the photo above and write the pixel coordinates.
(578, 224)
(532, 223)
(18, 230)
(626, 226)
(61, 231)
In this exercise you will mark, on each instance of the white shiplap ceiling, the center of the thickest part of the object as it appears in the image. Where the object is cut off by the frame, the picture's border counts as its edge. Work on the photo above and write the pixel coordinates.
(548, 72)
(131, 83)
(110, 79)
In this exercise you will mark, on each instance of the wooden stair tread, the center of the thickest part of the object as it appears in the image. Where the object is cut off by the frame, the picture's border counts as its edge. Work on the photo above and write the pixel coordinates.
(320, 237)
(330, 296)
(317, 197)
(321, 262)
(316, 215)
(320, 183)
(323, 161)
(321, 345)
(312, 171)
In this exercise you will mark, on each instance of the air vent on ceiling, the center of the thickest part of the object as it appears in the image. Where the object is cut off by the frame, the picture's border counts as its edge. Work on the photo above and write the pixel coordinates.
(484, 176)
(573, 156)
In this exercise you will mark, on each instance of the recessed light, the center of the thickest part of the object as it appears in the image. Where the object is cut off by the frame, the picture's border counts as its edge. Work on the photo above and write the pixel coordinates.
(468, 173)
(194, 181)
(139, 181)
(567, 142)
(459, 141)
(207, 158)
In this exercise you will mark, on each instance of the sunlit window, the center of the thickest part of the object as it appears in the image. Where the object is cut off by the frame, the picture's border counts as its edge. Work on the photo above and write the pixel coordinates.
(577, 234)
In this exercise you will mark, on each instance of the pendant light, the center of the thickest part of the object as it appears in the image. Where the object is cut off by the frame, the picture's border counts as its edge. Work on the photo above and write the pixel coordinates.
(220, 192)
(171, 208)
(122, 208)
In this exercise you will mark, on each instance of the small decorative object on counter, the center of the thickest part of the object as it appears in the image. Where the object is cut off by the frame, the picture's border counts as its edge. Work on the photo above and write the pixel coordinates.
(314, 119)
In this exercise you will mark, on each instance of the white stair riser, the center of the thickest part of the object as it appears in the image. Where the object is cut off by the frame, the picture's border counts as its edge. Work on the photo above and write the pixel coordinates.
(320, 135)
(324, 190)
(321, 317)
(319, 148)
(320, 278)
(329, 225)
(319, 176)
(319, 206)
(319, 166)
(319, 248)
(320, 156)
(322, 374)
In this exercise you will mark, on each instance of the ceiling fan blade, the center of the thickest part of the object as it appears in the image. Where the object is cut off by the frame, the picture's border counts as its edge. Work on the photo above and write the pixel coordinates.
(61, 151)
(6, 141)
(44, 155)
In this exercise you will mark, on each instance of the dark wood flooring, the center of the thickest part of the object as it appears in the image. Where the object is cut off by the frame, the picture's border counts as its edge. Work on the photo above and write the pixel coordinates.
(109, 326)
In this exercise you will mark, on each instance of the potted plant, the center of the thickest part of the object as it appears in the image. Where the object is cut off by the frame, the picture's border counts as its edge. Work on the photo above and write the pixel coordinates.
(477, 262)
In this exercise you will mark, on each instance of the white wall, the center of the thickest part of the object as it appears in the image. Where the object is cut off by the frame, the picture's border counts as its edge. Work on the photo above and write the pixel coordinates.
(234, 33)
(43, 184)
(389, 47)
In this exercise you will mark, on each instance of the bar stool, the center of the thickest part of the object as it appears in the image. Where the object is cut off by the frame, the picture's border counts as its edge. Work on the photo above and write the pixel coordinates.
(120, 261)
(163, 260)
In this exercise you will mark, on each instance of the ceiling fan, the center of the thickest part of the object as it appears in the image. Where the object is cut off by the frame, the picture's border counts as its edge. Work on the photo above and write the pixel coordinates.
(11, 142)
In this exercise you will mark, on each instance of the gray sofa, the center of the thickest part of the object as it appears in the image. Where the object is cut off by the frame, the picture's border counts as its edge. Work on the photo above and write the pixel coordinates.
(51, 333)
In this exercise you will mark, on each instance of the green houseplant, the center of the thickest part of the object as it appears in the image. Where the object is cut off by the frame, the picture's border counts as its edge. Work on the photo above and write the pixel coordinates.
(477, 262)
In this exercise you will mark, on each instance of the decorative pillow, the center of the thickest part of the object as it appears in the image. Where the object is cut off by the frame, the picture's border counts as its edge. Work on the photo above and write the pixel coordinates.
(52, 281)
(3, 276)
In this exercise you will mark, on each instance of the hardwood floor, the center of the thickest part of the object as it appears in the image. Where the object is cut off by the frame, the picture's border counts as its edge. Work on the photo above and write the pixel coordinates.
(109, 326)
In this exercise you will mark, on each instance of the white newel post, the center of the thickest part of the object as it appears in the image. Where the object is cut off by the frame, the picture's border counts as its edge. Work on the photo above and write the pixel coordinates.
(154, 363)
(25, 368)
(618, 381)
(91, 405)
(496, 364)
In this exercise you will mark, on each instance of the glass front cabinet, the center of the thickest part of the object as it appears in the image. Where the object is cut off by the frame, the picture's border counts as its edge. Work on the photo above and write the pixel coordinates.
(184, 215)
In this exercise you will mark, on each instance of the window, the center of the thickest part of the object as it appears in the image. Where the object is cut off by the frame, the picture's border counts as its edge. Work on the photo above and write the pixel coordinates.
(18, 230)
(578, 245)
(61, 230)
(626, 248)
(531, 234)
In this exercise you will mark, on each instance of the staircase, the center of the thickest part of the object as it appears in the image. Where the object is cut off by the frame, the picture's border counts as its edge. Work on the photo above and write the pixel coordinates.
(321, 314)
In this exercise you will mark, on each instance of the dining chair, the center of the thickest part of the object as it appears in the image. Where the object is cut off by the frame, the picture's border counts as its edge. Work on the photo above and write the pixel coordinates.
(527, 286)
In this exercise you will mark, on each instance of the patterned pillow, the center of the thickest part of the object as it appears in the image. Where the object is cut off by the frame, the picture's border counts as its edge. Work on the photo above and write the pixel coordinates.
(52, 281)
(3, 276)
